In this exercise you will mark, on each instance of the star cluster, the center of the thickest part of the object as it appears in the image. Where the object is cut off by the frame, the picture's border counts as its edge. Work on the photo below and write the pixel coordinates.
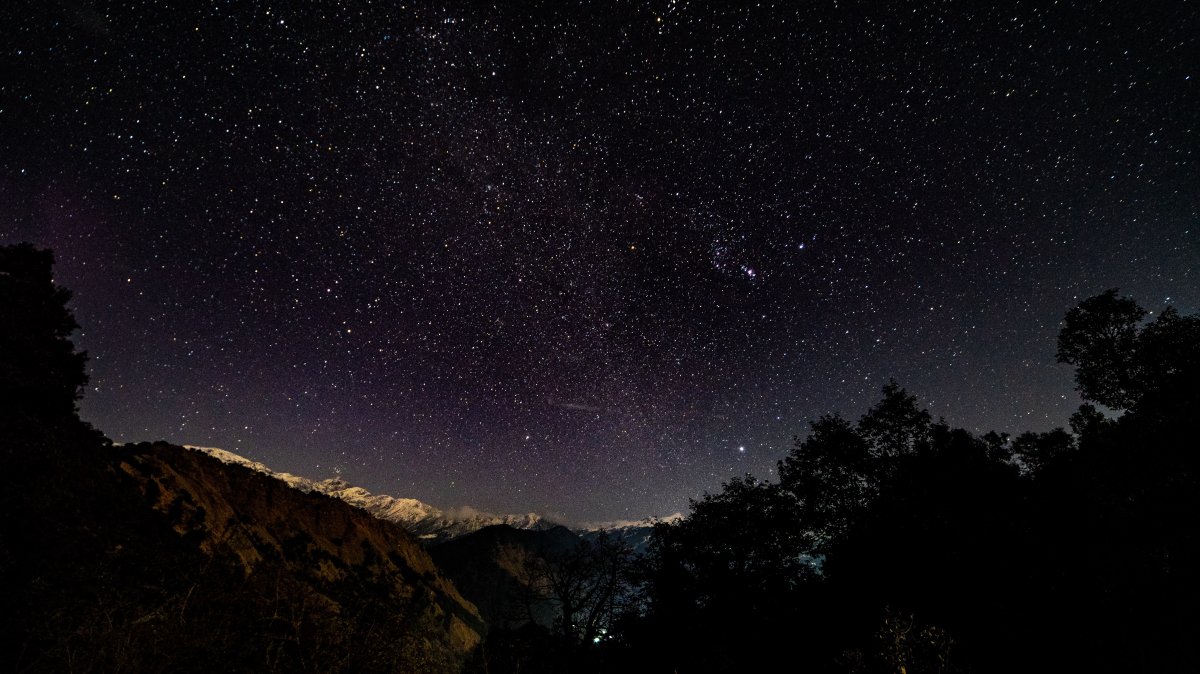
(586, 258)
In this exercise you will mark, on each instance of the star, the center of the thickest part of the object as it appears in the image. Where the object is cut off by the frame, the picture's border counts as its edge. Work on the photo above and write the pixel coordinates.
(611, 253)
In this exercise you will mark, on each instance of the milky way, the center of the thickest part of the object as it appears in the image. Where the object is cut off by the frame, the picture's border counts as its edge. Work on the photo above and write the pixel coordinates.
(588, 259)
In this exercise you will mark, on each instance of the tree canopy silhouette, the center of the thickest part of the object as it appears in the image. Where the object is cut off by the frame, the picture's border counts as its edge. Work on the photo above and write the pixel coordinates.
(836, 472)
(41, 373)
(941, 550)
(1123, 363)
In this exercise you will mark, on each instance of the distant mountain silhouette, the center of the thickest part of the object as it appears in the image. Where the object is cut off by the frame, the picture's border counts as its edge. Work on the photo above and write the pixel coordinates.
(491, 568)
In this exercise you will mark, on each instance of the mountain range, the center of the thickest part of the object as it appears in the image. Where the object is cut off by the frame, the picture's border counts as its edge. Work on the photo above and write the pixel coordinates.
(152, 557)
(145, 557)
(492, 559)
(434, 525)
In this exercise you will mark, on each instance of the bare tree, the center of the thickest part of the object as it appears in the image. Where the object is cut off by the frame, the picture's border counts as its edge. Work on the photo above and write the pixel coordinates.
(589, 585)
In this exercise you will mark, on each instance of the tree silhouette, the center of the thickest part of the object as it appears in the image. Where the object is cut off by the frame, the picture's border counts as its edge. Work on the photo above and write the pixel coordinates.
(896, 426)
(836, 472)
(1035, 451)
(1168, 363)
(832, 475)
(41, 374)
(1122, 513)
(1039, 551)
(589, 585)
(725, 584)
(1099, 337)
(1127, 365)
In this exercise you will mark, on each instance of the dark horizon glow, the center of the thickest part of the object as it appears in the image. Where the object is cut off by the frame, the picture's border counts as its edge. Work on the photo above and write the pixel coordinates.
(588, 260)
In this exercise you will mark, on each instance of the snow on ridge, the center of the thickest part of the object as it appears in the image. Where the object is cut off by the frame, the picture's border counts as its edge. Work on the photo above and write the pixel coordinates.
(420, 518)
(617, 525)
(302, 483)
(229, 457)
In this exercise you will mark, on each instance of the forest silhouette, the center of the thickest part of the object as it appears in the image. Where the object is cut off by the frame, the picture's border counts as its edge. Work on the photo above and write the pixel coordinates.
(893, 542)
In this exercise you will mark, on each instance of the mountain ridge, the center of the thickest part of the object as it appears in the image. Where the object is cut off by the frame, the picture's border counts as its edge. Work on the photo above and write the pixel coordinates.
(429, 523)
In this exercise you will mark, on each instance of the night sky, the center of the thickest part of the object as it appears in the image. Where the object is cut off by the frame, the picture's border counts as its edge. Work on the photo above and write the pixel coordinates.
(589, 259)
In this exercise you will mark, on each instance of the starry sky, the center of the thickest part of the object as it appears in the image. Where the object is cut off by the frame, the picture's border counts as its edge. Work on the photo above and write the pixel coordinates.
(589, 259)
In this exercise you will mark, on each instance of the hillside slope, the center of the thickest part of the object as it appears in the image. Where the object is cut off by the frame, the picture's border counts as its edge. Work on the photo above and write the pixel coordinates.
(157, 558)
(432, 525)
(330, 547)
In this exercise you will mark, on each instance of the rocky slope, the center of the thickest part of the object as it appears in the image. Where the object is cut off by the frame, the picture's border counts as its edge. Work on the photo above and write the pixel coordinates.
(332, 559)
(157, 558)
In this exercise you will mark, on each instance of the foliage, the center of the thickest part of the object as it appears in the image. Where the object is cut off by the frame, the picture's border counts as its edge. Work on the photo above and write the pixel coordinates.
(41, 374)
(903, 644)
(740, 545)
(1043, 551)
(1036, 451)
(1124, 364)
(836, 472)
(724, 585)
(832, 475)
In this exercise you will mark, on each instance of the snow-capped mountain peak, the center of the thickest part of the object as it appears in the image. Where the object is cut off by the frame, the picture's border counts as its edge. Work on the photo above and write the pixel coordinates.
(420, 518)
